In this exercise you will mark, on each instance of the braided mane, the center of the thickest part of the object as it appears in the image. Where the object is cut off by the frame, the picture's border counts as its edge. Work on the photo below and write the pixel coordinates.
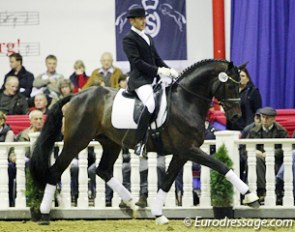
(191, 68)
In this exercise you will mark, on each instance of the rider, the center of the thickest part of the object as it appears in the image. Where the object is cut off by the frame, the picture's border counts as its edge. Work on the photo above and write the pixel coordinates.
(145, 65)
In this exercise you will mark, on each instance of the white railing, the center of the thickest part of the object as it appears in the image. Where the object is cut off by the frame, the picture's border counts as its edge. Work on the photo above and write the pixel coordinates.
(229, 138)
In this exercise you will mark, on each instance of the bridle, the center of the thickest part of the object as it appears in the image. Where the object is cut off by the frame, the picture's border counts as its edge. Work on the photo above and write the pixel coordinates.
(225, 100)
(220, 102)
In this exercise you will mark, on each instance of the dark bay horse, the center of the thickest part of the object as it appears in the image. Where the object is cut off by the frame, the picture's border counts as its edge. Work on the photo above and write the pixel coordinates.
(88, 116)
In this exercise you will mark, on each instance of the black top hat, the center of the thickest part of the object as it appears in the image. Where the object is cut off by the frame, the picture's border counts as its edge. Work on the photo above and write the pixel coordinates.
(136, 12)
(268, 111)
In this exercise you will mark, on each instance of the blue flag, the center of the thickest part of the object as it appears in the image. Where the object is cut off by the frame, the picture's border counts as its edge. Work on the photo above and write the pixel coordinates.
(166, 23)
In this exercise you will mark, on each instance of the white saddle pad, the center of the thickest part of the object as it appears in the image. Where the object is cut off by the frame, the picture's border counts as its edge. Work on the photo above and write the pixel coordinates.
(123, 109)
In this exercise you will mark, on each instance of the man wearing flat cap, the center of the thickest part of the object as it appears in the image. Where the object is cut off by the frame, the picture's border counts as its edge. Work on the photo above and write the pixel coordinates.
(268, 129)
(145, 66)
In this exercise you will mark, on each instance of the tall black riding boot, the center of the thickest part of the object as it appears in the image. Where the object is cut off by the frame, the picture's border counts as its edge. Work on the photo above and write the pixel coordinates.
(141, 132)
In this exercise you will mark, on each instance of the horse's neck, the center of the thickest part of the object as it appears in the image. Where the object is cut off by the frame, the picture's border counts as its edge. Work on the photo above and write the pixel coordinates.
(188, 104)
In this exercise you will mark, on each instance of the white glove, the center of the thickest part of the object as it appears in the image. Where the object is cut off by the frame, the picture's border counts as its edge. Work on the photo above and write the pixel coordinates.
(173, 73)
(164, 72)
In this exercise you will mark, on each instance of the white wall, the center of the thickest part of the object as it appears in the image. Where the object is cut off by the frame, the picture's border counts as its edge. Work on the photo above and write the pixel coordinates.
(72, 29)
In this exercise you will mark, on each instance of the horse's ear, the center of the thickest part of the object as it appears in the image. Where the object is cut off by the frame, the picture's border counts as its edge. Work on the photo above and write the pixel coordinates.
(243, 66)
(230, 65)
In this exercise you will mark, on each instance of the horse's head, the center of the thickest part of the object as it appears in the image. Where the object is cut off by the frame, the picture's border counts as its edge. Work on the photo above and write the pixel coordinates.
(226, 90)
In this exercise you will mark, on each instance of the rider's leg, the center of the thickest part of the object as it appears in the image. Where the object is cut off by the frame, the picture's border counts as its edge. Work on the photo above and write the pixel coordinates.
(145, 94)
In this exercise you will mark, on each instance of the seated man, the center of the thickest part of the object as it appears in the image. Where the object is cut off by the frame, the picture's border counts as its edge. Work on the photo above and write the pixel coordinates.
(11, 101)
(24, 77)
(108, 75)
(242, 147)
(36, 120)
(268, 128)
(48, 82)
(41, 103)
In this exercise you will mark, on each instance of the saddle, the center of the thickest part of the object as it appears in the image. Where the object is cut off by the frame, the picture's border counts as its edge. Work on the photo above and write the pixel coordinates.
(139, 106)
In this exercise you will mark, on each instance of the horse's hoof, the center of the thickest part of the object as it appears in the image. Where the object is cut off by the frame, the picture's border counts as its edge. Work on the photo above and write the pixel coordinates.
(130, 204)
(45, 220)
(254, 204)
(162, 220)
(251, 199)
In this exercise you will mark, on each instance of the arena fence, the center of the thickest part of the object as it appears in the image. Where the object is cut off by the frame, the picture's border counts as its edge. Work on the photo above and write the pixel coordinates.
(96, 209)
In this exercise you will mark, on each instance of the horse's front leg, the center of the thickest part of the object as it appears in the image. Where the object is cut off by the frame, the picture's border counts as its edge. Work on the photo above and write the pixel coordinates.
(195, 154)
(157, 206)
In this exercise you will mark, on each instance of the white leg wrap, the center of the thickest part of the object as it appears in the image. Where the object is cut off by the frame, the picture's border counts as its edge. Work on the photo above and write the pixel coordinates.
(159, 201)
(47, 198)
(120, 189)
(237, 182)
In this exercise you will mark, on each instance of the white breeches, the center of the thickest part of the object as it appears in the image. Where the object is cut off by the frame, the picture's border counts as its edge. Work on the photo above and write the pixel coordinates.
(146, 95)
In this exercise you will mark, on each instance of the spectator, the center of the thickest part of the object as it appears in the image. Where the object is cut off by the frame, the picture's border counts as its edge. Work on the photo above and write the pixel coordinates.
(268, 128)
(108, 75)
(25, 78)
(6, 135)
(65, 89)
(79, 77)
(123, 81)
(41, 103)
(250, 102)
(36, 120)
(242, 147)
(48, 82)
(11, 101)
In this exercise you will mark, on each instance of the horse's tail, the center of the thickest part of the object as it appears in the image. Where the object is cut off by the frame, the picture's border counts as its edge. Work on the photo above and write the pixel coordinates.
(40, 160)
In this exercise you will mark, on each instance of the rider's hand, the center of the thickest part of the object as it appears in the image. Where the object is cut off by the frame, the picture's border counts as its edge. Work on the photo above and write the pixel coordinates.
(164, 72)
(173, 73)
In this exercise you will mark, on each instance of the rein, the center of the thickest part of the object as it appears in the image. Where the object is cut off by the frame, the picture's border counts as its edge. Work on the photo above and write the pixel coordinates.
(193, 93)
(176, 81)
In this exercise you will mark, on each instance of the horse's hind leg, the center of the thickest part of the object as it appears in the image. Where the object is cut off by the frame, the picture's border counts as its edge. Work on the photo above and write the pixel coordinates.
(197, 155)
(104, 170)
(72, 146)
(157, 206)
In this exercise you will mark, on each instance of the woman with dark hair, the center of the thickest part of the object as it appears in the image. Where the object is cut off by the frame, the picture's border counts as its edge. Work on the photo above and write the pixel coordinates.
(250, 102)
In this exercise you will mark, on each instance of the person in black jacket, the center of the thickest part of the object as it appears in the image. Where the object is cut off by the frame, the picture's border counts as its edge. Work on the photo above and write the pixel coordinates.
(145, 65)
(250, 102)
(11, 101)
(25, 77)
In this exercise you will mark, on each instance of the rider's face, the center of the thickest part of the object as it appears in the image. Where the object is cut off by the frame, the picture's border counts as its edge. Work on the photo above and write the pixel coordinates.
(138, 23)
